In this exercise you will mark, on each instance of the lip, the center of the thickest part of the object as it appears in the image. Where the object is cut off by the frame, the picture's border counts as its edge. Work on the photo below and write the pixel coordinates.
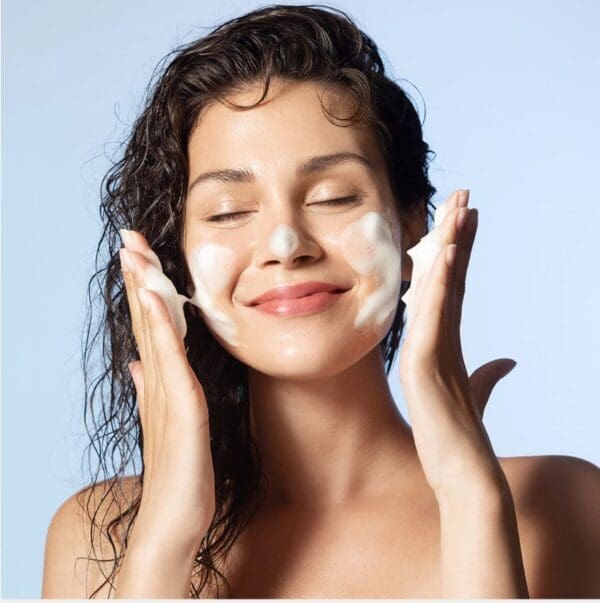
(300, 298)
(295, 290)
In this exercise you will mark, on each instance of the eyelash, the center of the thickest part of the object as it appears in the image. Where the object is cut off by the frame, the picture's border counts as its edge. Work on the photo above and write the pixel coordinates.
(338, 201)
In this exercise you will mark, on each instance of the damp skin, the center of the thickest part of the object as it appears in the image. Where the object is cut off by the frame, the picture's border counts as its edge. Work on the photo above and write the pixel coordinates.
(210, 267)
(423, 255)
(368, 246)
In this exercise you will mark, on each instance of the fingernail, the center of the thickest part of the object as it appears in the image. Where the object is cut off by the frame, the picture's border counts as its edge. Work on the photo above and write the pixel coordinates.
(463, 198)
(127, 264)
(462, 216)
(126, 237)
(472, 220)
(144, 298)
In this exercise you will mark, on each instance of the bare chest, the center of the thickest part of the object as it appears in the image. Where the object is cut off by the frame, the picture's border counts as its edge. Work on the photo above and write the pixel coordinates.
(376, 553)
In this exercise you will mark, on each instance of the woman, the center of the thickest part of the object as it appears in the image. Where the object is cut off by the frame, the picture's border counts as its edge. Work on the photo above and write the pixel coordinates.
(272, 205)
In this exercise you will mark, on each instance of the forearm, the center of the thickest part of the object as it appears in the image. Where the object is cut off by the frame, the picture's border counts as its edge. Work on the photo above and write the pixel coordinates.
(480, 548)
(155, 572)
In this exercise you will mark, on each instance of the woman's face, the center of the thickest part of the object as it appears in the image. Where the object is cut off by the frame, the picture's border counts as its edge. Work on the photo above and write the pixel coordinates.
(274, 173)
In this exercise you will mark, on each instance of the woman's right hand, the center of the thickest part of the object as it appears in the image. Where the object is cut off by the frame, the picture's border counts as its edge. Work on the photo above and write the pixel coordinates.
(178, 496)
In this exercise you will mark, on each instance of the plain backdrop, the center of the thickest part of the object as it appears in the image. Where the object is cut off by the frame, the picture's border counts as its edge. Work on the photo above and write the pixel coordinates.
(510, 94)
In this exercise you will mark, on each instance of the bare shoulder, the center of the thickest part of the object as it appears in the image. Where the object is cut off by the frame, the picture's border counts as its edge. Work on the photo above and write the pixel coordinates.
(557, 502)
(71, 564)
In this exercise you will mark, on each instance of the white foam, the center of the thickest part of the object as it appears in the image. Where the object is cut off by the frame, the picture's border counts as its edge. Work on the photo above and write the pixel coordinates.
(283, 241)
(155, 280)
(423, 256)
(369, 247)
(210, 268)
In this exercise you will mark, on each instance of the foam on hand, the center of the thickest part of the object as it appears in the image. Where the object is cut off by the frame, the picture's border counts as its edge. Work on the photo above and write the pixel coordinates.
(155, 280)
(367, 243)
(209, 269)
(423, 256)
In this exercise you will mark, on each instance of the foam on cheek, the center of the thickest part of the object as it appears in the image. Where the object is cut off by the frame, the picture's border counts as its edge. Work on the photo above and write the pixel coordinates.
(211, 265)
(369, 247)
(210, 269)
(283, 241)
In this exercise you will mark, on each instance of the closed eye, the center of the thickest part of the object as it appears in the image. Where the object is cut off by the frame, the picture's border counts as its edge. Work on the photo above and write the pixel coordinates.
(339, 201)
(226, 217)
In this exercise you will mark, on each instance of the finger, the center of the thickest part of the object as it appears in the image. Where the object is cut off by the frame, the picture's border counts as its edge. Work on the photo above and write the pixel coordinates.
(178, 379)
(449, 235)
(454, 219)
(451, 203)
(421, 253)
(152, 379)
(141, 256)
(431, 317)
(128, 268)
(463, 257)
(463, 198)
(143, 373)
(484, 379)
(135, 241)
(454, 236)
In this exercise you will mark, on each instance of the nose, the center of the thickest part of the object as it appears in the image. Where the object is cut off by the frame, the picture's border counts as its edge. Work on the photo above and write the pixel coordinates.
(288, 244)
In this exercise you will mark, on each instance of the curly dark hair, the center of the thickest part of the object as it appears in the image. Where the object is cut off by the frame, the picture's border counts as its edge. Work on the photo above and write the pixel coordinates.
(145, 190)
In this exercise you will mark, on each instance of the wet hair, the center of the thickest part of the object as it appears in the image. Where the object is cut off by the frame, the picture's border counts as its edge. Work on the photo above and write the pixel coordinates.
(145, 190)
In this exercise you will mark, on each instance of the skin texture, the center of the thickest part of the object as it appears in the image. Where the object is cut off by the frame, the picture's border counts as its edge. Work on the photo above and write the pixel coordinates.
(313, 376)
(360, 504)
(309, 376)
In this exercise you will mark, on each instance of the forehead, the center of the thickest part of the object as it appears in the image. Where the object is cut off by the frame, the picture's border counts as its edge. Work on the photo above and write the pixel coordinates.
(288, 126)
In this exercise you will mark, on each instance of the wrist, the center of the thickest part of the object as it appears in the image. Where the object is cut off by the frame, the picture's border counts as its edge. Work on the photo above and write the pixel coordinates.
(491, 493)
(149, 571)
(162, 550)
(158, 542)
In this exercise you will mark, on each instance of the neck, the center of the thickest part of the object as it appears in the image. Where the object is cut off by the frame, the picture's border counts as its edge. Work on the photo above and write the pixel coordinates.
(333, 440)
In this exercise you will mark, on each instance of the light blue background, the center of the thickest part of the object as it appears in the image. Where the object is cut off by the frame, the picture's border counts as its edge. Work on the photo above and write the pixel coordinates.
(512, 96)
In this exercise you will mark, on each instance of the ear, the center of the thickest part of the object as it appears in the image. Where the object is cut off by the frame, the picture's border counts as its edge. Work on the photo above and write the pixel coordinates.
(414, 228)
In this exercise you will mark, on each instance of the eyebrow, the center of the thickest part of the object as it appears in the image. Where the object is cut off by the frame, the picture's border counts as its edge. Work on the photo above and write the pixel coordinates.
(313, 164)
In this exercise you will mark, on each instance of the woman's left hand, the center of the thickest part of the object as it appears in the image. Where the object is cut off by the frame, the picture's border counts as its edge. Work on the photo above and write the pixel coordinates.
(444, 403)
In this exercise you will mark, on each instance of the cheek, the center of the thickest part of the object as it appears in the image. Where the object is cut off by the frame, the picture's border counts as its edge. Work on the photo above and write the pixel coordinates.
(212, 268)
(373, 252)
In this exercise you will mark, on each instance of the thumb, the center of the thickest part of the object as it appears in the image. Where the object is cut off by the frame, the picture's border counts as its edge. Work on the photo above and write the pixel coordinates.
(484, 379)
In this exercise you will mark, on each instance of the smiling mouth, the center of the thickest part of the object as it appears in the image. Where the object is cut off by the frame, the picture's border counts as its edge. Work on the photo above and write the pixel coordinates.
(301, 306)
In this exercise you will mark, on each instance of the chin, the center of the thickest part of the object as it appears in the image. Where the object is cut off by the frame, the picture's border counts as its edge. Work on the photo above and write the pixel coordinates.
(303, 355)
